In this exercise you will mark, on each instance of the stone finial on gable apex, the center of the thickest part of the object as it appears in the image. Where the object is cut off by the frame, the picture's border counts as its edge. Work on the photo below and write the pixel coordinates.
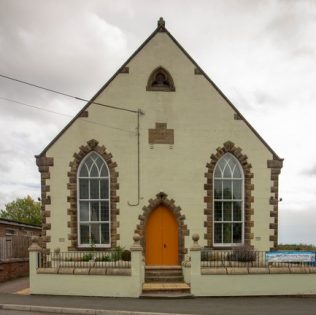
(161, 23)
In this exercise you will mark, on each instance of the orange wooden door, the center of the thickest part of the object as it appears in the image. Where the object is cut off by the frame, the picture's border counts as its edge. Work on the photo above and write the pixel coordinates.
(161, 238)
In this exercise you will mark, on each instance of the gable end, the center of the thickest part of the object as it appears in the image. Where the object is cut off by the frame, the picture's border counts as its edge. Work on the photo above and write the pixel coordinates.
(124, 69)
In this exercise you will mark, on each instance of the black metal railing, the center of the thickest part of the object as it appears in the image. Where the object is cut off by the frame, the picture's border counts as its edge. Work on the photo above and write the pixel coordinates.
(114, 258)
(258, 259)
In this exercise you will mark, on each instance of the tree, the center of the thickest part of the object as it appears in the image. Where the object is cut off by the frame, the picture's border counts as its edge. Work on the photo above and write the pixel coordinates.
(25, 210)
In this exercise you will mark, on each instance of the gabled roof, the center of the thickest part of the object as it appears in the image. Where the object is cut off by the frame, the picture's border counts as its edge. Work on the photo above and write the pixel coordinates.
(160, 28)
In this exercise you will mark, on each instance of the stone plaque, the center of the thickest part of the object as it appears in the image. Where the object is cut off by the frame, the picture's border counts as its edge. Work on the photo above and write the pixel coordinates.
(161, 135)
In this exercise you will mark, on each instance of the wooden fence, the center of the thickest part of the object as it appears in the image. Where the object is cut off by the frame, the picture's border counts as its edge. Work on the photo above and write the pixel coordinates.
(14, 247)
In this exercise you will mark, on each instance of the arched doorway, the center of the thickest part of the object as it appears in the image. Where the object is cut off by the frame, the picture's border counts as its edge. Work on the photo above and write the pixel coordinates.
(161, 234)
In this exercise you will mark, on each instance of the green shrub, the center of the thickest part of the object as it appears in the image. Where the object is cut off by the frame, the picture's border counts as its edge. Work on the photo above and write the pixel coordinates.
(204, 255)
(87, 257)
(117, 254)
(126, 255)
(105, 258)
(242, 253)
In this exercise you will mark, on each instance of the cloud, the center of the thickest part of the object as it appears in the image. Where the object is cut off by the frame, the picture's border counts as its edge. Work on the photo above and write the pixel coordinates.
(264, 98)
(310, 172)
(297, 226)
(60, 54)
(294, 26)
(9, 193)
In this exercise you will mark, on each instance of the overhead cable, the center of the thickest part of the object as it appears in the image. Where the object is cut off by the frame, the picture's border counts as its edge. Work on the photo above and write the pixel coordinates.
(62, 114)
(68, 95)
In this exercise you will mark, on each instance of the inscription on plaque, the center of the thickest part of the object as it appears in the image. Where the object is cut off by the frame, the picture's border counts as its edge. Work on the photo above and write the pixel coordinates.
(161, 135)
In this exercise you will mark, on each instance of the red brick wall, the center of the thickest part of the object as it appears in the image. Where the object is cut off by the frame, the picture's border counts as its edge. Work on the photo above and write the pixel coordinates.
(13, 269)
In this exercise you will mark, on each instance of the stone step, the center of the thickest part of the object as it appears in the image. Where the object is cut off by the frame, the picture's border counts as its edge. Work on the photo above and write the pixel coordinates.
(174, 267)
(163, 272)
(163, 269)
(163, 278)
(166, 288)
(166, 295)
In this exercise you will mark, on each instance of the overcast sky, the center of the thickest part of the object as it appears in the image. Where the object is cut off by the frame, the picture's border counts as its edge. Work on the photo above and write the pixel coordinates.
(262, 54)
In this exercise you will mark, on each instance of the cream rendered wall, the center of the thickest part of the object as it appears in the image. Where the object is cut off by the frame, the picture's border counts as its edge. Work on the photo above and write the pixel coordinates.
(202, 121)
(254, 285)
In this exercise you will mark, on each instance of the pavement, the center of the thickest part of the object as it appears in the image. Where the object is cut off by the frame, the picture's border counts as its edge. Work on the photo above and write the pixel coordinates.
(21, 300)
(14, 286)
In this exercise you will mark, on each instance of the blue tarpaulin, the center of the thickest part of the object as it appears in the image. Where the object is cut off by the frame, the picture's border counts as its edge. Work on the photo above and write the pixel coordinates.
(290, 256)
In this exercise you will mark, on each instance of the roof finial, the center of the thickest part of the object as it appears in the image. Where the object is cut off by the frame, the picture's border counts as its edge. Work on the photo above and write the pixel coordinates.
(161, 22)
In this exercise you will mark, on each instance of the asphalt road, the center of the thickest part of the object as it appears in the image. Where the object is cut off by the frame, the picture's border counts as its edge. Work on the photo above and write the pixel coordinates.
(200, 306)
(6, 312)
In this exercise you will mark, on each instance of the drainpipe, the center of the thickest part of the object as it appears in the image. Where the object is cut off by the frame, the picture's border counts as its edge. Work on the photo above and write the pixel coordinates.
(139, 112)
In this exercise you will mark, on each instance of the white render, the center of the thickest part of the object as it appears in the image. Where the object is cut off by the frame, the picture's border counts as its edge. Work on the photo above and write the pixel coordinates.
(202, 121)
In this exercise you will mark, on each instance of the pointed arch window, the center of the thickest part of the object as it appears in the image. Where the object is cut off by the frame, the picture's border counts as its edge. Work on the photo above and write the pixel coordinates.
(160, 80)
(93, 202)
(228, 209)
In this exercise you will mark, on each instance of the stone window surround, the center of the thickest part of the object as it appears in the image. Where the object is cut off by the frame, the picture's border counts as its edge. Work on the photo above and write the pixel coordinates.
(229, 147)
(92, 145)
(161, 199)
(106, 179)
(222, 199)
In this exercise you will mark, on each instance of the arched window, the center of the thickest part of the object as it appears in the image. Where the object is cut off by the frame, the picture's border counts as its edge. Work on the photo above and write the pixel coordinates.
(93, 202)
(160, 80)
(228, 213)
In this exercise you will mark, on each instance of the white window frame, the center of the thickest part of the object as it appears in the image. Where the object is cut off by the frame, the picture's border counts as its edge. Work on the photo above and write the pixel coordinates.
(86, 245)
(242, 200)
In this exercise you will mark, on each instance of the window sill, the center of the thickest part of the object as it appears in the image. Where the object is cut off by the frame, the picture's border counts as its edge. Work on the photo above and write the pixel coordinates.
(94, 248)
(225, 247)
